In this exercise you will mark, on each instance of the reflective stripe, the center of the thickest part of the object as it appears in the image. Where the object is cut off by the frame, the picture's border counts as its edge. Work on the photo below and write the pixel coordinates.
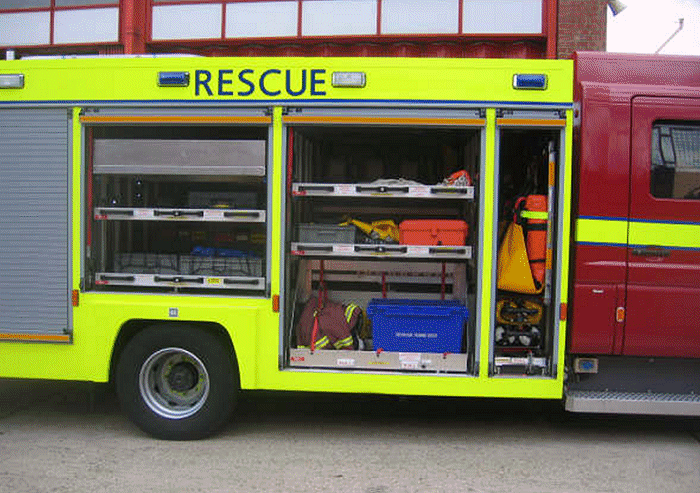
(322, 342)
(534, 215)
(604, 231)
(343, 343)
(174, 119)
(349, 310)
(676, 235)
(364, 120)
(35, 337)
(614, 231)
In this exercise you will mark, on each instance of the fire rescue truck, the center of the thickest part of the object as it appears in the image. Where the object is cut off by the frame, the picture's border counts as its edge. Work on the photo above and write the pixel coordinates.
(191, 227)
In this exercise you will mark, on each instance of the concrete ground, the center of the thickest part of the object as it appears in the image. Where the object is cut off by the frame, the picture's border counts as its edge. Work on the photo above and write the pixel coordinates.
(55, 437)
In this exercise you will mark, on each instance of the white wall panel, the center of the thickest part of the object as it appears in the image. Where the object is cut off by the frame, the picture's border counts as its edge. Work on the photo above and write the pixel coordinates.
(420, 16)
(201, 21)
(86, 26)
(261, 19)
(338, 17)
(25, 28)
(502, 16)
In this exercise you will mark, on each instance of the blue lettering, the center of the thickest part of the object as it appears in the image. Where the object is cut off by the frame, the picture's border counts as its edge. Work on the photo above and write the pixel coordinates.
(223, 81)
(288, 77)
(308, 81)
(202, 78)
(251, 86)
(315, 82)
(262, 82)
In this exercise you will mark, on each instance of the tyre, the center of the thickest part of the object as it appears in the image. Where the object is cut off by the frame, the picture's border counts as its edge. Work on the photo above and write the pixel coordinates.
(177, 382)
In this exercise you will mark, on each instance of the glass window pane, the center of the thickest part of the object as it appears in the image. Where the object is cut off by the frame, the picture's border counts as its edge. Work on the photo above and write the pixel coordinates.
(86, 26)
(261, 19)
(334, 17)
(675, 161)
(23, 4)
(686, 143)
(502, 17)
(194, 21)
(24, 28)
(420, 17)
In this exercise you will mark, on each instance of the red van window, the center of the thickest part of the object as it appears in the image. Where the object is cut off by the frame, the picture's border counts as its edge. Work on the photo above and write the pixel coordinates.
(675, 160)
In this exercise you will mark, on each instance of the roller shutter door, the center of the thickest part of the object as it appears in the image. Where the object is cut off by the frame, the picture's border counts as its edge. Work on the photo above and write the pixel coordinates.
(34, 223)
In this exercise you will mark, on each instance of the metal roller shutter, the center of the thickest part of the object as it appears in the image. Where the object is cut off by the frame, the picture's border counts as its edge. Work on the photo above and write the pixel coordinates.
(34, 222)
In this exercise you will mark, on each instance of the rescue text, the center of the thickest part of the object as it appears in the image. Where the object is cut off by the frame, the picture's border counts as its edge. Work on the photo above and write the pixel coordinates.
(249, 82)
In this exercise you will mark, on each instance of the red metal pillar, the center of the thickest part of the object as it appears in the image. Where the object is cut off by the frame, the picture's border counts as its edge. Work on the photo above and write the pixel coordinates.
(133, 26)
(551, 30)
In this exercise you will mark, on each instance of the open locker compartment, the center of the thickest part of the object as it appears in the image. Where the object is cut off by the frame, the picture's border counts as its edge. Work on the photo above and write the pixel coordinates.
(179, 208)
(524, 336)
(383, 218)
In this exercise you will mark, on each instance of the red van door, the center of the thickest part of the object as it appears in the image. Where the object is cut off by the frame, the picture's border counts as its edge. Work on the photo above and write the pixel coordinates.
(663, 286)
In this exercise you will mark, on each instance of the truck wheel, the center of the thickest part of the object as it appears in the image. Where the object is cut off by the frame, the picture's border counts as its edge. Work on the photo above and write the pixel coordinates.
(177, 382)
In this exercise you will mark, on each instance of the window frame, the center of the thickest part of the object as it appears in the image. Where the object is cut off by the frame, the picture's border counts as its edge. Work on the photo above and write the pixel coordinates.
(52, 9)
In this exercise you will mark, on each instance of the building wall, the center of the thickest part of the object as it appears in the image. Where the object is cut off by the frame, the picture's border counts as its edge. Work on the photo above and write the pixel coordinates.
(581, 26)
(422, 28)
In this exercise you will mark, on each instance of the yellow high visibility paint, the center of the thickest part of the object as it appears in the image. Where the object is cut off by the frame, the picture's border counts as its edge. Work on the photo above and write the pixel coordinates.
(252, 324)
(231, 79)
(565, 233)
(490, 247)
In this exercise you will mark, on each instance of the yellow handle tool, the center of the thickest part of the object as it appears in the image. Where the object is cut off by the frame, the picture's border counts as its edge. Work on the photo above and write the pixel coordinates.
(384, 230)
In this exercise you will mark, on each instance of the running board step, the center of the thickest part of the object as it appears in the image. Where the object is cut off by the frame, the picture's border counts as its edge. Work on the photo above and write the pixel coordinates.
(593, 401)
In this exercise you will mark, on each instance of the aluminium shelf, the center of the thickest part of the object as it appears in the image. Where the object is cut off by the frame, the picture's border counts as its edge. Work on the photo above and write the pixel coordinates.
(378, 361)
(179, 214)
(427, 252)
(526, 364)
(388, 191)
(179, 281)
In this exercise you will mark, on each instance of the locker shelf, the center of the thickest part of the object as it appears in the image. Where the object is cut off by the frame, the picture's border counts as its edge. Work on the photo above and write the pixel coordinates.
(179, 281)
(376, 190)
(438, 252)
(378, 361)
(179, 214)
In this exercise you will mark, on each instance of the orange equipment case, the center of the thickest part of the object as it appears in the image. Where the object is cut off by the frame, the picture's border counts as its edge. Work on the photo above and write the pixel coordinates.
(432, 232)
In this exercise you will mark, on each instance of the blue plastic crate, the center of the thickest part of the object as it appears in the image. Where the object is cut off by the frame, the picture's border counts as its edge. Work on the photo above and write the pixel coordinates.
(423, 326)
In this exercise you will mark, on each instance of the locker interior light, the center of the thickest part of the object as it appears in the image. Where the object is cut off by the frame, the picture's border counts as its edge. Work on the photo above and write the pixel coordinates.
(349, 79)
(530, 81)
(11, 81)
(173, 79)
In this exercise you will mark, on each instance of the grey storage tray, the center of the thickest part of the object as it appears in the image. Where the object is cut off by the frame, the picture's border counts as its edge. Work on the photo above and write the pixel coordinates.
(325, 233)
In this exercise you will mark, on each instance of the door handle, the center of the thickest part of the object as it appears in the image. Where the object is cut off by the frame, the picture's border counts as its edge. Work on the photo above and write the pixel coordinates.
(651, 252)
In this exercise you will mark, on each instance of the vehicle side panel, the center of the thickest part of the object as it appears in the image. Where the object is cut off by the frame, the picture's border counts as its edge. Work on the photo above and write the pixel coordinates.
(664, 246)
(600, 256)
